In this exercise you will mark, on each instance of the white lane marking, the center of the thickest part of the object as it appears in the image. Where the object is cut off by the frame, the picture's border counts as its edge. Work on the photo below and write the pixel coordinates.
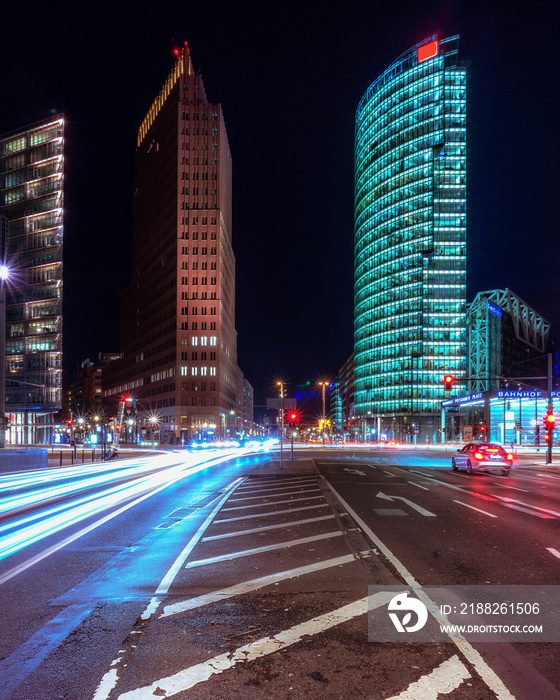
(553, 551)
(420, 487)
(256, 484)
(443, 679)
(273, 503)
(473, 508)
(189, 677)
(254, 584)
(492, 680)
(354, 471)
(259, 550)
(507, 486)
(389, 474)
(529, 512)
(548, 476)
(528, 505)
(274, 488)
(280, 526)
(287, 493)
(169, 577)
(111, 677)
(461, 489)
(271, 513)
(416, 507)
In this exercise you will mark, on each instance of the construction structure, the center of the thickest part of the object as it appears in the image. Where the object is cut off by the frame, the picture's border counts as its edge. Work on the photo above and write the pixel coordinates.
(507, 339)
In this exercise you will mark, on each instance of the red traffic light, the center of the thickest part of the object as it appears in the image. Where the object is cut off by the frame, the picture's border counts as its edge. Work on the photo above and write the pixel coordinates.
(550, 421)
(448, 382)
(292, 417)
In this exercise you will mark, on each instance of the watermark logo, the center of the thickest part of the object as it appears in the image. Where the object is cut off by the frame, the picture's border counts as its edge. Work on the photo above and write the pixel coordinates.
(402, 604)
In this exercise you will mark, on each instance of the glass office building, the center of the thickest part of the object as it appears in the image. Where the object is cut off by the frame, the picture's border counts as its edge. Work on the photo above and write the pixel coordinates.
(31, 202)
(410, 240)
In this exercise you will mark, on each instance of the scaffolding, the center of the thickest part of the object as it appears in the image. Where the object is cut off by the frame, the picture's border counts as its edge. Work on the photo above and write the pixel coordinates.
(487, 335)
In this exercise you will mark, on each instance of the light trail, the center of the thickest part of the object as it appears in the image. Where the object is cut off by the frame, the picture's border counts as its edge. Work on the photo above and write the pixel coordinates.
(26, 530)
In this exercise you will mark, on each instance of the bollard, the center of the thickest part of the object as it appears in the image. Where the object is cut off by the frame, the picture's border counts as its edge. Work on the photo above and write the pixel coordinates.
(83, 458)
(60, 458)
(93, 455)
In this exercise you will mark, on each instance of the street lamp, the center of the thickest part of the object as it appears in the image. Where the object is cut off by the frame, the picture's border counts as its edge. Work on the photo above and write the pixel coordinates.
(323, 386)
(4, 277)
(281, 385)
(153, 421)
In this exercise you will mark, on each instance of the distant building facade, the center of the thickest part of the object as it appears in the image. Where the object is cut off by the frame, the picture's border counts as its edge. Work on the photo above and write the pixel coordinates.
(84, 395)
(410, 239)
(342, 400)
(178, 333)
(32, 201)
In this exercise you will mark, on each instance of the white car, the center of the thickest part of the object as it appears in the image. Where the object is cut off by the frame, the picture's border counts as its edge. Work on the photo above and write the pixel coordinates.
(481, 457)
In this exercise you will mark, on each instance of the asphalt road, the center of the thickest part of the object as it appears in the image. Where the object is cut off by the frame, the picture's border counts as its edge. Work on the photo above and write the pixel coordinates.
(250, 580)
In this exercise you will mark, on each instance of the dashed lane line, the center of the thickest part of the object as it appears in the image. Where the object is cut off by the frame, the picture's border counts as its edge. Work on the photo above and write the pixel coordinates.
(255, 584)
(189, 677)
(273, 503)
(259, 550)
(553, 551)
(418, 485)
(445, 678)
(265, 528)
(271, 513)
(473, 508)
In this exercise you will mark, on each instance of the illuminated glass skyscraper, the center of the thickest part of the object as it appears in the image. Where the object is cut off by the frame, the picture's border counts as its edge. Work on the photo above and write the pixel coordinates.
(32, 202)
(410, 239)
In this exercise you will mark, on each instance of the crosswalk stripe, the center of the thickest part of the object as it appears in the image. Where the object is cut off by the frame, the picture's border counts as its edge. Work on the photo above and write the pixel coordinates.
(259, 550)
(443, 679)
(286, 493)
(189, 677)
(273, 503)
(254, 584)
(271, 513)
(280, 526)
(276, 482)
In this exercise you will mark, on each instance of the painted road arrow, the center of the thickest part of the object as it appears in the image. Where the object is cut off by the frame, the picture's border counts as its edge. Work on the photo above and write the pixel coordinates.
(354, 471)
(416, 507)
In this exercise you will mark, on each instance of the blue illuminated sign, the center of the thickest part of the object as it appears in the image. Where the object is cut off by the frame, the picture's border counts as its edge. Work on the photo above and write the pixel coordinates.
(494, 309)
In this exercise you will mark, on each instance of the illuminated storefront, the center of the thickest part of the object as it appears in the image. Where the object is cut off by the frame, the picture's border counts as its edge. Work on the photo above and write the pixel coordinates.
(410, 239)
(508, 417)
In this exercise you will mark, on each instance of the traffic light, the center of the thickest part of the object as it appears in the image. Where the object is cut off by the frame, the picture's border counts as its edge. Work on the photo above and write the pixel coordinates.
(292, 417)
(448, 382)
(549, 423)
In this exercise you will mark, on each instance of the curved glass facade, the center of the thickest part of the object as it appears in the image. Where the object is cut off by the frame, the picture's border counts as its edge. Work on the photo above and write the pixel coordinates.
(410, 233)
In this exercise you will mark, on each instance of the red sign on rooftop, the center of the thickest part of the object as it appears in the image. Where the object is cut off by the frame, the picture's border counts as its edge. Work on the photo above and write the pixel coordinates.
(427, 51)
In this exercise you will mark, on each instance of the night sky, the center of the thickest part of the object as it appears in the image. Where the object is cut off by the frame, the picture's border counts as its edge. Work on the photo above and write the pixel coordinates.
(289, 77)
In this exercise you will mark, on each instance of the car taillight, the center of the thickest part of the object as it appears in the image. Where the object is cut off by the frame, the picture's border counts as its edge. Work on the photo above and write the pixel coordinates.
(510, 457)
(478, 455)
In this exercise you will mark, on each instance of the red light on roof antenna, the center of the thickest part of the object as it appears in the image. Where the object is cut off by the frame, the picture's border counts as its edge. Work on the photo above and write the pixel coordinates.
(427, 51)
(176, 52)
